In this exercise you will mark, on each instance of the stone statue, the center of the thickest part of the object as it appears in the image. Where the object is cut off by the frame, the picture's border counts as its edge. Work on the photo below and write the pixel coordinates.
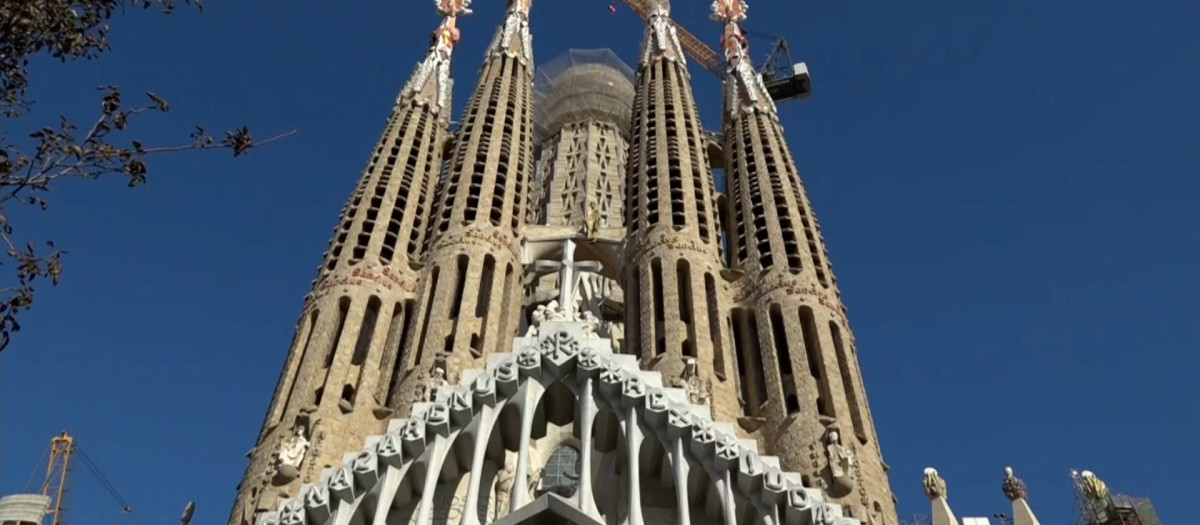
(437, 381)
(291, 454)
(535, 482)
(690, 380)
(593, 221)
(841, 459)
(1014, 488)
(504, 485)
(591, 324)
(539, 317)
(935, 486)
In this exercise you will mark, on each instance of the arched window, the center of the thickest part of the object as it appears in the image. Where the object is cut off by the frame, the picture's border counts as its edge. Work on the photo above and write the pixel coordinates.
(562, 472)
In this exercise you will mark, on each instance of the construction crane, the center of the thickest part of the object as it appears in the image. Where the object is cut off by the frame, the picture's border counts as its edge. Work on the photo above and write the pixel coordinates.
(63, 451)
(785, 80)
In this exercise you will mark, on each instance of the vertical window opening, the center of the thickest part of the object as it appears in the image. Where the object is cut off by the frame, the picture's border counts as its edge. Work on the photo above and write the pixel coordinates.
(849, 384)
(749, 360)
(714, 326)
(683, 287)
(363, 346)
(787, 379)
(816, 364)
(406, 320)
(431, 291)
(343, 309)
(312, 327)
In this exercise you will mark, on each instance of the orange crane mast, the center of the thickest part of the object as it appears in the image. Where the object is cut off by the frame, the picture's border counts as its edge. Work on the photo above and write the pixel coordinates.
(55, 486)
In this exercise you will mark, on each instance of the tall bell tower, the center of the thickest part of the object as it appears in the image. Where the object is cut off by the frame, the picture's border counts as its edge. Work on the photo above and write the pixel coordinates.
(799, 368)
(471, 285)
(673, 251)
(331, 392)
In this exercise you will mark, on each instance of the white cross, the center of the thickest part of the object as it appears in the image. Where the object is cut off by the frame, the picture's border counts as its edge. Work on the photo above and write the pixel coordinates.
(567, 275)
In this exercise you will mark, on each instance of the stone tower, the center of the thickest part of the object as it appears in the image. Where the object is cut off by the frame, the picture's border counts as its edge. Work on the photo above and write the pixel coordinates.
(472, 281)
(583, 101)
(335, 380)
(673, 263)
(799, 363)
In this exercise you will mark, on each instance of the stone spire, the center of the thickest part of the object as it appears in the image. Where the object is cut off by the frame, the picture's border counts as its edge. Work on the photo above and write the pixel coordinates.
(470, 287)
(1015, 491)
(672, 274)
(340, 364)
(798, 365)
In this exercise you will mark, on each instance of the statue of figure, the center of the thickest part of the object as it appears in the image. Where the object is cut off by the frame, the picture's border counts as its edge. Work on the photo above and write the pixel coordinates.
(504, 485)
(535, 481)
(935, 486)
(291, 454)
(593, 221)
(690, 380)
(539, 317)
(591, 324)
(436, 382)
(841, 459)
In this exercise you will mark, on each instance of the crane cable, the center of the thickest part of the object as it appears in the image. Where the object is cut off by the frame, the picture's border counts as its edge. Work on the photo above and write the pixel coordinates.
(125, 507)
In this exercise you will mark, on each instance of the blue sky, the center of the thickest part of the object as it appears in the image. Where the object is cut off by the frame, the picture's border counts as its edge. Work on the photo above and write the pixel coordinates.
(1006, 188)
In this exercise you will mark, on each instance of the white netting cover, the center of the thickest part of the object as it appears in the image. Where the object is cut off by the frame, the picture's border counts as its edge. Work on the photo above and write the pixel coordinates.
(582, 84)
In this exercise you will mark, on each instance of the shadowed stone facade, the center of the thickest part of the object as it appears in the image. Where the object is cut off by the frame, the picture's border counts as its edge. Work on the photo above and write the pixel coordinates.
(465, 303)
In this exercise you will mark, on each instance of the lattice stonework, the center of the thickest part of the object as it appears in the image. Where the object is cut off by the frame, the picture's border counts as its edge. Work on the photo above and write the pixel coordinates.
(483, 430)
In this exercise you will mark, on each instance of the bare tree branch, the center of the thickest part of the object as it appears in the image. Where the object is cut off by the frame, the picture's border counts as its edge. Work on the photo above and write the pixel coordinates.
(70, 30)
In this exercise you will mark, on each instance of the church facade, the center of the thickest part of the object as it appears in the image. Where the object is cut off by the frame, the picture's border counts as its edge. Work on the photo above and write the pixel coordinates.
(554, 314)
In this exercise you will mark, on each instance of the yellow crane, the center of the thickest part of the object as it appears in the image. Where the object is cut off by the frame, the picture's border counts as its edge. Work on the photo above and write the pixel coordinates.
(63, 451)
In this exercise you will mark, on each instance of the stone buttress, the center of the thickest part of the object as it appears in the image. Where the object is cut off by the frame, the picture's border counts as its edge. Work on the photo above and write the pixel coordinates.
(672, 274)
(797, 356)
(335, 380)
(470, 291)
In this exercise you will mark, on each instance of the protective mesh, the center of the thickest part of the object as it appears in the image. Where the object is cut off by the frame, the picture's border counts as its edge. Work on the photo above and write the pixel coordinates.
(582, 84)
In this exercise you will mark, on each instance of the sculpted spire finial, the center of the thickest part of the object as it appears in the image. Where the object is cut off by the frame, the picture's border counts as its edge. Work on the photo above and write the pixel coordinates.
(513, 38)
(738, 65)
(1014, 488)
(934, 485)
(436, 65)
(662, 39)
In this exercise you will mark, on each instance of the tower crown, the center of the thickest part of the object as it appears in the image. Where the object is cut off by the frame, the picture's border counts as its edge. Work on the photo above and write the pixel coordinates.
(430, 83)
(583, 84)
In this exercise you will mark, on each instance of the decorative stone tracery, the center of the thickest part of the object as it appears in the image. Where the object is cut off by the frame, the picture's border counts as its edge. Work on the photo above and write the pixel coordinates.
(417, 450)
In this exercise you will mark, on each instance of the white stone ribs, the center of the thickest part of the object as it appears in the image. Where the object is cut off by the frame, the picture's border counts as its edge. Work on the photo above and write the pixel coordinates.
(409, 459)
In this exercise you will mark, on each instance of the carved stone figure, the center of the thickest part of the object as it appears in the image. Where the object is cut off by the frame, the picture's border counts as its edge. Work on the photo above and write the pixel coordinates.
(539, 317)
(437, 381)
(504, 485)
(291, 454)
(591, 324)
(535, 482)
(593, 221)
(690, 380)
(935, 486)
(841, 459)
